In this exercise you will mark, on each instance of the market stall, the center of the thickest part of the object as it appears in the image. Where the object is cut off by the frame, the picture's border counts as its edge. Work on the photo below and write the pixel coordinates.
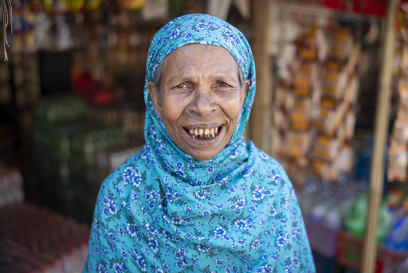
(331, 106)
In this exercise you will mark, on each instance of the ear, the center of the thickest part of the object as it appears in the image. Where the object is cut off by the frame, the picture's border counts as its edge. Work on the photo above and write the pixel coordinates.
(244, 91)
(155, 96)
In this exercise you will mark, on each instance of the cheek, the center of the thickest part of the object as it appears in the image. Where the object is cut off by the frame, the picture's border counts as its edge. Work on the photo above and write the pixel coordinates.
(233, 108)
(171, 110)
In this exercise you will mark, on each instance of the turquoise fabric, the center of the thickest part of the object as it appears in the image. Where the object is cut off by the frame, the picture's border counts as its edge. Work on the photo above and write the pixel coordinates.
(164, 211)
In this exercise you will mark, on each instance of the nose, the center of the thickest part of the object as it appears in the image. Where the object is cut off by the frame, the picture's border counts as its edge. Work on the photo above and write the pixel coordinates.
(202, 103)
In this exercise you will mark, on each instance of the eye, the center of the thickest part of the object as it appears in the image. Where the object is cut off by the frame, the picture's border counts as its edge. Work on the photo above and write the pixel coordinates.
(222, 84)
(181, 85)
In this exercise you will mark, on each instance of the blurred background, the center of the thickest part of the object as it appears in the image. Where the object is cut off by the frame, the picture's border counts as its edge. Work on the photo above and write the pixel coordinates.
(72, 110)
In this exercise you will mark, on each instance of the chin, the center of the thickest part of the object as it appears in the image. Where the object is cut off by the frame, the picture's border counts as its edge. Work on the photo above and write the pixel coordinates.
(203, 157)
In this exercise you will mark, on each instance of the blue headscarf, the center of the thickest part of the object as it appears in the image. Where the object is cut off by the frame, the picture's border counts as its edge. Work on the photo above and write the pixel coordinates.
(164, 211)
(198, 29)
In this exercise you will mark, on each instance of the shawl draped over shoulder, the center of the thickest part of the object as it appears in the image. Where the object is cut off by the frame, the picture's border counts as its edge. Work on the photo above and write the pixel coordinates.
(164, 211)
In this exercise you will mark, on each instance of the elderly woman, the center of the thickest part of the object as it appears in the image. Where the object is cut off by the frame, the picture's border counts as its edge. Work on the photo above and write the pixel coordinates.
(197, 198)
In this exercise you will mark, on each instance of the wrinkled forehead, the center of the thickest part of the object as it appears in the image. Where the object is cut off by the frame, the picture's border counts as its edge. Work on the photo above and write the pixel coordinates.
(200, 56)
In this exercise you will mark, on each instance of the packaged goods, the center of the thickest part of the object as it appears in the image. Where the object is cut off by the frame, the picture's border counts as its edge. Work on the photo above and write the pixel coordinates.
(317, 94)
(302, 140)
(350, 94)
(297, 145)
(342, 46)
(344, 160)
(324, 120)
(400, 131)
(279, 96)
(309, 70)
(324, 170)
(295, 152)
(326, 148)
(397, 152)
(328, 103)
(280, 121)
(333, 90)
(303, 104)
(299, 121)
(302, 82)
(302, 91)
(397, 163)
(325, 207)
(397, 238)
(403, 99)
(307, 53)
(289, 101)
(356, 220)
(349, 124)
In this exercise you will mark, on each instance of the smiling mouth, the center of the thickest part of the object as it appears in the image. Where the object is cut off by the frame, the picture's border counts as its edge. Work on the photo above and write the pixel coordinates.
(203, 133)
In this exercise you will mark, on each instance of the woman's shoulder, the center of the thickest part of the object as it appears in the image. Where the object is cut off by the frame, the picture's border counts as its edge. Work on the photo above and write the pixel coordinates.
(262, 158)
(263, 161)
(128, 169)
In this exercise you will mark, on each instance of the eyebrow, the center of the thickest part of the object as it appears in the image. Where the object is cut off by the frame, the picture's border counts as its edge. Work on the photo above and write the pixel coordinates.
(192, 78)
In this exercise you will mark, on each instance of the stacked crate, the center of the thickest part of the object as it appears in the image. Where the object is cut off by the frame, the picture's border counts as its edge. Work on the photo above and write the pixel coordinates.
(66, 145)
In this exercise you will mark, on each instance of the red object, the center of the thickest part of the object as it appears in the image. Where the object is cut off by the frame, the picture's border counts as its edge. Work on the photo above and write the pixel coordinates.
(393, 260)
(350, 255)
(102, 97)
(99, 94)
(371, 7)
(335, 4)
(81, 84)
(94, 91)
(350, 252)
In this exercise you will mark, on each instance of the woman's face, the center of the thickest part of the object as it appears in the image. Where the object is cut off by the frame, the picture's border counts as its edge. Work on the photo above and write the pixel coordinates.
(199, 99)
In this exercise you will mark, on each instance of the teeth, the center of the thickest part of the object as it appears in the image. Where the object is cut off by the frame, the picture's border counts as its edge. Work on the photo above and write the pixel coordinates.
(208, 133)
